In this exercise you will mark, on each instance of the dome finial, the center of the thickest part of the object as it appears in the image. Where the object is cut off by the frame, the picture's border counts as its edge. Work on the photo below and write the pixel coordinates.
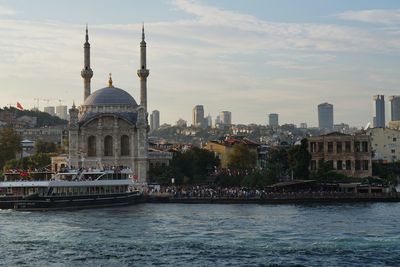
(110, 82)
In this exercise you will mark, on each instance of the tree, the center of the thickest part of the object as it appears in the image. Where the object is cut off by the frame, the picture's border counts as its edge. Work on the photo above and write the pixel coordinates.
(277, 162)
(191, 166)
(37, 161)
(242, 158)
(10, 145)
(45, 147)
(299, 160)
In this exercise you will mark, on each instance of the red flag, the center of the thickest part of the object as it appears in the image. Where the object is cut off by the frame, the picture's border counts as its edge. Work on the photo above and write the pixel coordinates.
(19, 106)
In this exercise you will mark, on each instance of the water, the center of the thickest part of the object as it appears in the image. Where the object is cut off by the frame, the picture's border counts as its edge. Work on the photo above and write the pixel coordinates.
(204, 235)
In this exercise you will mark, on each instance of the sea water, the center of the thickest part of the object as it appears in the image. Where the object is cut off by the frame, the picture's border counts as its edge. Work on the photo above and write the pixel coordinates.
(365, 234)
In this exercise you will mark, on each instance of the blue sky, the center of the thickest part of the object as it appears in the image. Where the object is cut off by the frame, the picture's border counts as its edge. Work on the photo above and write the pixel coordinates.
(249, 57)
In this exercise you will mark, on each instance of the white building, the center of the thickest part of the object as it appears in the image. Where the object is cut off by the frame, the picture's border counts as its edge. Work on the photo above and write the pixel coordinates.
(385, 144)
(62, 112)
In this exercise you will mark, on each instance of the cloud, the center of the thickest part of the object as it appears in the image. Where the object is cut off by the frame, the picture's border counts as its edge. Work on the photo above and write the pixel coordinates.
(223, 59)
(5, 11)
(377, 16)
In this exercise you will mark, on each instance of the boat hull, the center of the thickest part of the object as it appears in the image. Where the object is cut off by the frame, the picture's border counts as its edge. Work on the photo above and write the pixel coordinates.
(69, 202)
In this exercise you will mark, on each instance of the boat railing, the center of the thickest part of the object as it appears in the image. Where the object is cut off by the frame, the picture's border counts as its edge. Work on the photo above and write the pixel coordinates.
(16, 176)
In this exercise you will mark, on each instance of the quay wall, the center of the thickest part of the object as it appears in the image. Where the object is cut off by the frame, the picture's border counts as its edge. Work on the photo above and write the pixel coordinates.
(281, 199)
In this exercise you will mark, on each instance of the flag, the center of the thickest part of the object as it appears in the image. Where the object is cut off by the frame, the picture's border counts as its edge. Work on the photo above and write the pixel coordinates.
(19, 106)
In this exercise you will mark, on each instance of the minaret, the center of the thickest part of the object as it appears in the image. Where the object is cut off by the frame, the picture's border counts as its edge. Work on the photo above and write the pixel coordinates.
(143, 73)
(86, 72)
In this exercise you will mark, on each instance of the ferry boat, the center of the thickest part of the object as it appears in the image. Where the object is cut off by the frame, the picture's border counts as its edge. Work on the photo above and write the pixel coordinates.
(71, 189)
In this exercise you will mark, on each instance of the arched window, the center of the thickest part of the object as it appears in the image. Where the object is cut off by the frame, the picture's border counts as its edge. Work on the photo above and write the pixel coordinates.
(91, 146)
(108, 146)
(124, 145)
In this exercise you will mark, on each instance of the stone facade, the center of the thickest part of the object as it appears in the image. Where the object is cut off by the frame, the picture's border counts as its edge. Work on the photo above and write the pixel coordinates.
(348, 154)
(109, 128)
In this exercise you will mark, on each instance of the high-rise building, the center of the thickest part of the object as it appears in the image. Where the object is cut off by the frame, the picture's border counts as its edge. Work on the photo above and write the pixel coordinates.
(394, 107)
(325, 116)
(379, 111)
(155, 120)
(62, 112)
(209, 120)
(273, 120)
(50, 110)
(225, 117)
(198, 116)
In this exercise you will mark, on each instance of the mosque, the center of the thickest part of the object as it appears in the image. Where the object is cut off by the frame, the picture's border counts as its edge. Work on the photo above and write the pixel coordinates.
(110, 128)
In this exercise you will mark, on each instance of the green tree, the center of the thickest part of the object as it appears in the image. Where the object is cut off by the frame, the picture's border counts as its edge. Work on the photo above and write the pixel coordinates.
(191, 166)
(242, 158)
(37, 161)
(299, 160)
(10, 145)
(45, 147)
(277, 162)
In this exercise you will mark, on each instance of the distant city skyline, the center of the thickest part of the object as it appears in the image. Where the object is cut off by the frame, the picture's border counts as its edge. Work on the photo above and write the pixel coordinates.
(249, 58)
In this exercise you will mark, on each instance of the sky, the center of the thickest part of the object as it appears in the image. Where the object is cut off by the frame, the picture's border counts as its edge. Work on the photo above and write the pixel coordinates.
(251, 57)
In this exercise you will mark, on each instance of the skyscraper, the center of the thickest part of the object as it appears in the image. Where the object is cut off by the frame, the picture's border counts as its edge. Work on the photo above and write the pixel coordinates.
(394, 107)
(155, 121)
(325, 116)
(273, 120)
(379, 111)
(62, 112)
(225, 117)
(209, 120)
(198, 116)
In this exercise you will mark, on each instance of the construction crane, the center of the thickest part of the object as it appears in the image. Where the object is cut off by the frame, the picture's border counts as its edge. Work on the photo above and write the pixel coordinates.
(37, 102)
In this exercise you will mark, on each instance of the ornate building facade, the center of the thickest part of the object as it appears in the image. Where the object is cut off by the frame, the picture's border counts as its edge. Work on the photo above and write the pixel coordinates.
(110, 128)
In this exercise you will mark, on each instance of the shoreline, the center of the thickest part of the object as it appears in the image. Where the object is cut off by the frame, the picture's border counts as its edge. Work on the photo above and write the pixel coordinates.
(286, 199)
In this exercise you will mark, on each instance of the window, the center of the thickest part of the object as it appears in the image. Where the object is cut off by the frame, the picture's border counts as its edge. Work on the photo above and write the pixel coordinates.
(347, 146)
(320, 147)
(394, 139)
(365, 164)
(91, 146)
(338, 147)
(348, 164)
(365, 146)
(357, 147)
(357, 165)
(339, 165)
(393, 151)
(124, 145)
(330, 147)
(313, 147)
(108, 146)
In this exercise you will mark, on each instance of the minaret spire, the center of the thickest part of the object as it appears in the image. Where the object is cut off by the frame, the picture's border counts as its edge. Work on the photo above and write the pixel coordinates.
(87, 34)
(143, 32)
(86, 72)
(143, 72)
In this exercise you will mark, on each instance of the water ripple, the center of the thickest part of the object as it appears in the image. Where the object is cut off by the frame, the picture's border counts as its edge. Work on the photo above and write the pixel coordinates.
(205, 235)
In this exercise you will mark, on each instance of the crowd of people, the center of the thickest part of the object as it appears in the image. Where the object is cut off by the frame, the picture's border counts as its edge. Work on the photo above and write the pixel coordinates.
(231, 192)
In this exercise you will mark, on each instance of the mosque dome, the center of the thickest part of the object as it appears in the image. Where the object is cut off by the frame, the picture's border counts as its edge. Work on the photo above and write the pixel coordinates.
(110, 96)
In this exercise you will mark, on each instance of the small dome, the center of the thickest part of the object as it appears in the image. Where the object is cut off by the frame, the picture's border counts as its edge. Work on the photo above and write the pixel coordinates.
(110, 96)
